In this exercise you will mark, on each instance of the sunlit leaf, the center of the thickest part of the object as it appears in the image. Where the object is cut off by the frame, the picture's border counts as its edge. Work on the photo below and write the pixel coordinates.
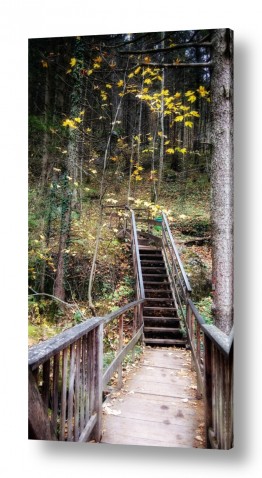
(202, 91)
(192, 98)
(73, 62)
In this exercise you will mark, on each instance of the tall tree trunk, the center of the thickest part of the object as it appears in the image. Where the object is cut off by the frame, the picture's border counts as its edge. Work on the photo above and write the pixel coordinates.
(162, 125)
(59, 285)
(45, 157)
(222, 178)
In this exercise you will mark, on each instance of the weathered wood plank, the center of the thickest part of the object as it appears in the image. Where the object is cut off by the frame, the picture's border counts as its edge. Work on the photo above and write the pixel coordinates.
(118, 359)
(98, 384)
(40, 427)
(77, 391)
(55, 390)
(158, 405)
(70, 424)
(64, 392)
(88, 429)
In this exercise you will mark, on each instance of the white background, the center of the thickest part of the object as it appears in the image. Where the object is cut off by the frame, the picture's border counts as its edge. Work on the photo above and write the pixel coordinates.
(20, 20)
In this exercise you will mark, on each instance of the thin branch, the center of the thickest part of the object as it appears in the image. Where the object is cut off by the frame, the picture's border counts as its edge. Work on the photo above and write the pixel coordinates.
(57, 299)
(52, 297)
(178, 65)
(167, 49)
(129, 41)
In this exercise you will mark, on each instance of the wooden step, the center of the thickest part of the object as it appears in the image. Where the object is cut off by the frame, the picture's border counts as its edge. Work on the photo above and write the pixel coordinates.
(174, 330)
(152, 262)
(160, 299)
(173, 309)
(160, 319)
(165, 341)
(155, 283)
(151, 257)
(148, 249)
(155, 275)
(155, 291)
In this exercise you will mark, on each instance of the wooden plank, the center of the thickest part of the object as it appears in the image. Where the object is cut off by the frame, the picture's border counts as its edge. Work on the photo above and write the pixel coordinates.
(119, 358)
(127, 431)
(77, 391)
(64, 393)
(157, 406)
(39, 424)
(46, 383)
(120, 347)
(98, 384)
(70, 424)
(88, 428)
(83, 384)
(55, 390)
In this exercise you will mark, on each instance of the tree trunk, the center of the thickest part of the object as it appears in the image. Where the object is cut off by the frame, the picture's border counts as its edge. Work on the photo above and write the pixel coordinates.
(59, 287)
(222, 178)
(162, 126)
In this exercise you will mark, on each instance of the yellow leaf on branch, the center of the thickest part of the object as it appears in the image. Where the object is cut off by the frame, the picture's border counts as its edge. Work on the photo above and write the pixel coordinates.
(73, 62)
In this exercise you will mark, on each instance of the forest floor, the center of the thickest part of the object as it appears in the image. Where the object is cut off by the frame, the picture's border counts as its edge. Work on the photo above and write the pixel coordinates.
(189, 215)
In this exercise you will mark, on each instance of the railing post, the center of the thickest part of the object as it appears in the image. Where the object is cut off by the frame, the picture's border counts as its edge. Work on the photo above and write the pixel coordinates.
(98, 382)
(40, 427)
(120, 346)
(208, 388)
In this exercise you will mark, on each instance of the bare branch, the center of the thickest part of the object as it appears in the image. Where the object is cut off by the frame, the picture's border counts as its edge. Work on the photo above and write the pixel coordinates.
(178, 65)
(179, 46)
(51, 296)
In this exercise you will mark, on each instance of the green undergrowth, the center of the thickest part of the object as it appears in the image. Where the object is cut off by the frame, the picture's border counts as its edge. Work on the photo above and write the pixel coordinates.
(204, 307)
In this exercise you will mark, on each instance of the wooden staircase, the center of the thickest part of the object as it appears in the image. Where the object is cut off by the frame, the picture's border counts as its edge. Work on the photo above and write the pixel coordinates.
(161, 322)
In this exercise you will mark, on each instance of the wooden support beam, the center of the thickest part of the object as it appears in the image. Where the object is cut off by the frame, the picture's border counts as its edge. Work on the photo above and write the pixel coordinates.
(39, 424)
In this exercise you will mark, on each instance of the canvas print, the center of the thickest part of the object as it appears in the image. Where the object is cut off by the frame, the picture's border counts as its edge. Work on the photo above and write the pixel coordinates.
(130, 211)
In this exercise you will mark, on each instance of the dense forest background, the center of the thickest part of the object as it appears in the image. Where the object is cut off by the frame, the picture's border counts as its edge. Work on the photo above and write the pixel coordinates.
(121, 119)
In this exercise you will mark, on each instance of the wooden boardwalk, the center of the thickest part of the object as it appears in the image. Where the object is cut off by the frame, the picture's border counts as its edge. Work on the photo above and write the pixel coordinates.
(157, 405)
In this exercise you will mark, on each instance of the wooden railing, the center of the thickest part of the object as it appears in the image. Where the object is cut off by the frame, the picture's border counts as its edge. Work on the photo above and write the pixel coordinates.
(211, 352)
(179, 281)
(66, 372)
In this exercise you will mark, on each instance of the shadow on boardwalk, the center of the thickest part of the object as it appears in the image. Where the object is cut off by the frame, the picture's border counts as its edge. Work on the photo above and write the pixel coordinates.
(157, 405)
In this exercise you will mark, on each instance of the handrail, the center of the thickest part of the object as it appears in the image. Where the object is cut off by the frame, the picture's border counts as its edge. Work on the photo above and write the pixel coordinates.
(211, 351)
(137, 256)
(187, 283)
(40, 353)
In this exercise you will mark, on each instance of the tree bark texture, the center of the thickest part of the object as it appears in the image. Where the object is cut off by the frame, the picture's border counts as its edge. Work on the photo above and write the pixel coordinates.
(222, 178)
